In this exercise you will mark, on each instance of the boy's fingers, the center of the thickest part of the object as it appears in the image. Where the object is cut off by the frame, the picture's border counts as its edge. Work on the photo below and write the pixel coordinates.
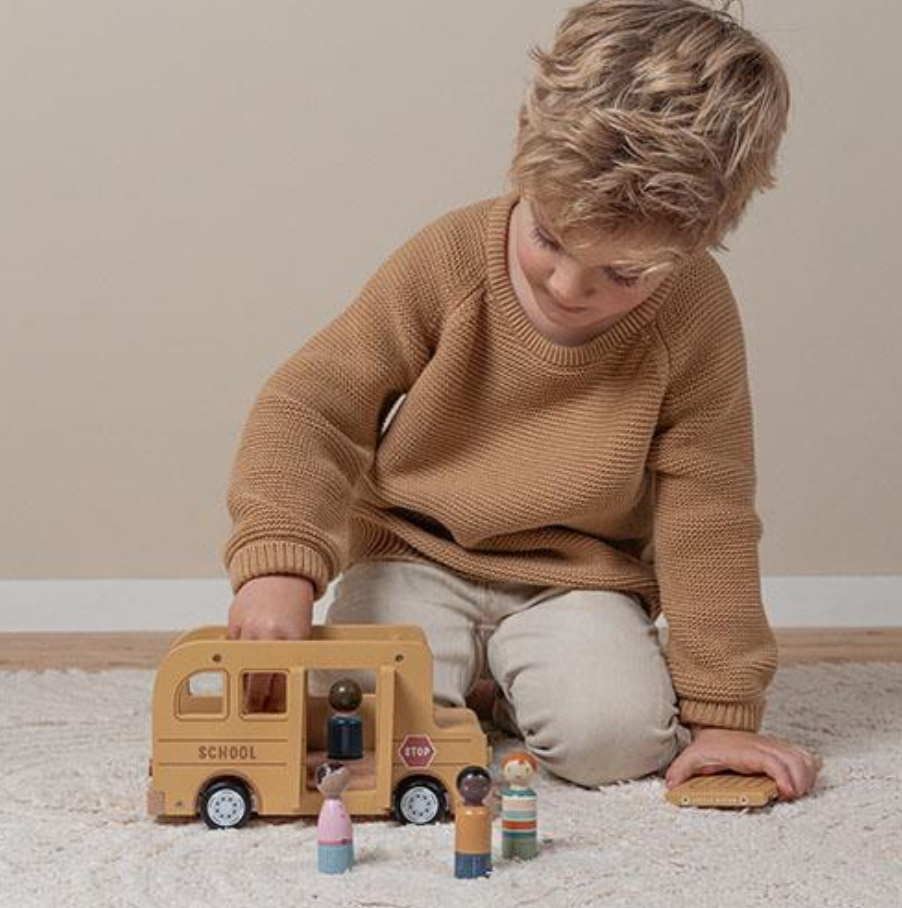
(691, 763)
(773, 764)
(814, 767)
(782, 774)
(793, 769)
(813, 764)
(681, 768)
(256, 691)
(815, 759)
(804, 769)
(800, 765)
(277, 693)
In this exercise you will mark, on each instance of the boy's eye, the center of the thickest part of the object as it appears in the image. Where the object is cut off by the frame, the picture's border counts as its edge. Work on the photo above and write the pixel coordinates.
(625, 281)
(546, 243)
(543, 240)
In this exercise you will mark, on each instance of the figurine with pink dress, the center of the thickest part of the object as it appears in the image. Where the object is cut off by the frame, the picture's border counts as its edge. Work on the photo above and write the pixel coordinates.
(334, 832)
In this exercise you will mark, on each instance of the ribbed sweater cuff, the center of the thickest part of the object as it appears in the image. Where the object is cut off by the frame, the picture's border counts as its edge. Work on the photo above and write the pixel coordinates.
(259, 559)
(742, 716)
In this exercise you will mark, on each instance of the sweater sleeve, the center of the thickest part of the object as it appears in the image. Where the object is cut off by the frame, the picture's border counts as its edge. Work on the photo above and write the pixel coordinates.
(721, 650)
(315, 424)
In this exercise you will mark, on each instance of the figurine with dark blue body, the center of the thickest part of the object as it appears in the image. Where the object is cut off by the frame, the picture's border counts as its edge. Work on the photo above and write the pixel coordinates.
(345, 728)
(473, 824)
(334, 832)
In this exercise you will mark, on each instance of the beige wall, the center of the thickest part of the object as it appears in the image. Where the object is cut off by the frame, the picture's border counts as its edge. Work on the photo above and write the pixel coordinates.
(189, 190)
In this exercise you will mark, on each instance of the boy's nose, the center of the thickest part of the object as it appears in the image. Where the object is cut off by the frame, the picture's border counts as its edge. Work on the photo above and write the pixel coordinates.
(571, 286)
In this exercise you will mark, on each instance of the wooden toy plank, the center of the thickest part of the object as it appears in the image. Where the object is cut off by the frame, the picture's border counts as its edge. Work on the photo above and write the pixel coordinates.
(726, 789)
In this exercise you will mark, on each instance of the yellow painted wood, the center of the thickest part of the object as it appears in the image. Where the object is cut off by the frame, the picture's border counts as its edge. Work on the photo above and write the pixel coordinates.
(384, 722)
(202, 733)
(724, 789)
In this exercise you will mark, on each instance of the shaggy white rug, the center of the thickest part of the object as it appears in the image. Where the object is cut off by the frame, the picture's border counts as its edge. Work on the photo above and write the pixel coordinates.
(73, 832)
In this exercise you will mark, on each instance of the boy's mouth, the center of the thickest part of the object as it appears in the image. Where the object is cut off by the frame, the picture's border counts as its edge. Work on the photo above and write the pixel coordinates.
(564, 308)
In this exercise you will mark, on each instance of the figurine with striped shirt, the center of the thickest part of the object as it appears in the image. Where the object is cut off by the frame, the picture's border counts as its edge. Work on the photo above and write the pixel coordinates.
(519, 828)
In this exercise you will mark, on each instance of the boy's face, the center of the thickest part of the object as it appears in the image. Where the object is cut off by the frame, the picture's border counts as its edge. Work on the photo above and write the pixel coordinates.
(572, 297)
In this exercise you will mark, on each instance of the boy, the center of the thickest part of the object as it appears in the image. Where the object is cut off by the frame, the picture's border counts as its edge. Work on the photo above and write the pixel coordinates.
(574, 453)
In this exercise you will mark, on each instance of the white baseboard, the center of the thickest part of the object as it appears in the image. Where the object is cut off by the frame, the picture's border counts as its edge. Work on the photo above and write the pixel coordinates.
(167, 605)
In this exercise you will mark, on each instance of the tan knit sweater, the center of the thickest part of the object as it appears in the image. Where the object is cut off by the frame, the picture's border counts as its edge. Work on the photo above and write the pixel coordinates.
(623, 463)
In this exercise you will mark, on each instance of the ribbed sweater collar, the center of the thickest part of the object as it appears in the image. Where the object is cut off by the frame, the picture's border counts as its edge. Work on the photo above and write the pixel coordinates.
(502, 291)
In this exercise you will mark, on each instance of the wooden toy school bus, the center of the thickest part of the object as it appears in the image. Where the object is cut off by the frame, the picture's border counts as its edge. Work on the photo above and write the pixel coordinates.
(212, 755)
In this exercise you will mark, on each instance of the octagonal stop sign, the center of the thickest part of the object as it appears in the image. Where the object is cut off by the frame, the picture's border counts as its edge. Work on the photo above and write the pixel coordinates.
(417, 751)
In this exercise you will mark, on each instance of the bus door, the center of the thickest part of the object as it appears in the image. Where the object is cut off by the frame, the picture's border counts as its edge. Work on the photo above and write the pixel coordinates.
(297, 734)
(385, 723)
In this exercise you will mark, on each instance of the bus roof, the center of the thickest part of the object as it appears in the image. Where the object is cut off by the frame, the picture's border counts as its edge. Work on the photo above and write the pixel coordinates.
(364, 633)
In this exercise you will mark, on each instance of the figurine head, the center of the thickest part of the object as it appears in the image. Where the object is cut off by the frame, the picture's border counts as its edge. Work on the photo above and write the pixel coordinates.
(519, 767)
(473, 784)
(332, 778)
(345, 695)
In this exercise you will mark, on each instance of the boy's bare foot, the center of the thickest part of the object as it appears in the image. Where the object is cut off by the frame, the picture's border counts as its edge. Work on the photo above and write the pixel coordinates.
(482, 697)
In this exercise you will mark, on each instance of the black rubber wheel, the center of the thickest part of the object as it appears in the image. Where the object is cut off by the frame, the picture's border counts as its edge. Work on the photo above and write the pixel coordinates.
(225, 804)
(420, 801)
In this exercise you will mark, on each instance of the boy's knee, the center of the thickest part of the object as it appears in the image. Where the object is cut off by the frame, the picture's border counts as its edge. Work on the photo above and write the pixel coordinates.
(597, 753)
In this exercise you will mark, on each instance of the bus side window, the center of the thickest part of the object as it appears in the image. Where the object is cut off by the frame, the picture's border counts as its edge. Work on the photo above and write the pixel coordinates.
(263, 693)
(202, 693)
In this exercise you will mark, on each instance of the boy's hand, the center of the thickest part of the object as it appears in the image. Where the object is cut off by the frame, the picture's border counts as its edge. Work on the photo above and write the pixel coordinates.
(713, 750)
(277, 607)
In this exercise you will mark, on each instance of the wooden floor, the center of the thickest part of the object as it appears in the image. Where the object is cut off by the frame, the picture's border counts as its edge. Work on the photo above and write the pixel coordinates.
(96, 652)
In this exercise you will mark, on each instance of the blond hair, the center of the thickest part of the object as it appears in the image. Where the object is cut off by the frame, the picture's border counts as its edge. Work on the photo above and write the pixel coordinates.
(651, 117)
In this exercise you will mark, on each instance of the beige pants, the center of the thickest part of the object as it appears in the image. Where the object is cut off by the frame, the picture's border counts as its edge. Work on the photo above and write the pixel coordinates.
(582, 672)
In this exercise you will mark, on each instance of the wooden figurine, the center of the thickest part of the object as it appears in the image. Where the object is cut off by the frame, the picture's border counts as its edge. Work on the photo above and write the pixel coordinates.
(334, 832)
(345, 727)
(519, 830)
(473, 824)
